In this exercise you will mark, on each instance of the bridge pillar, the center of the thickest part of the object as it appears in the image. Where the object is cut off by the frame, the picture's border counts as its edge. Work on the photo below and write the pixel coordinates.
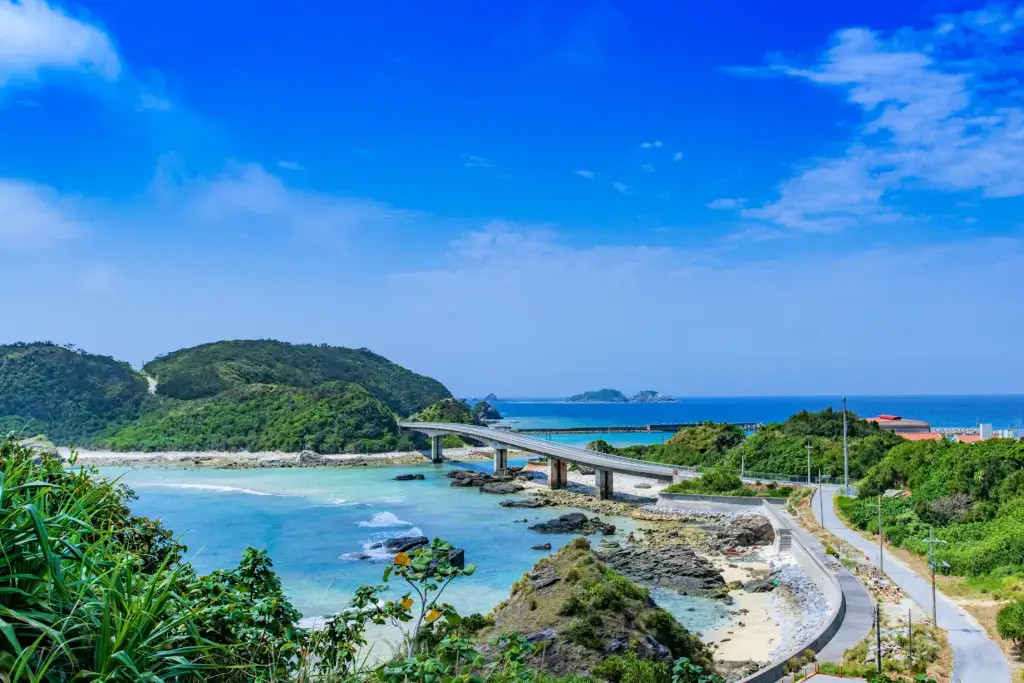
(435, 447)
(500, 459)
(558, 473)
(603, 483)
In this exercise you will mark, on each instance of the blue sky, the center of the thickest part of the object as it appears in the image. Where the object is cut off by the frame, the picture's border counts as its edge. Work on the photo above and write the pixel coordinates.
(532, 199)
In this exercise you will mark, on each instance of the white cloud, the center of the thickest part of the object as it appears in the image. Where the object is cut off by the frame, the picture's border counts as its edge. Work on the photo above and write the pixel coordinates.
(622, 188)
(726, 204)
(36, 36)
(291, 166)
(248, 195)
(471, 161)
(941, 111)
(589, 175)
(678, 156)
(647, 167)
(34, 216)
(657, 143)
(562, 289)
(152, 102)
(649, 145)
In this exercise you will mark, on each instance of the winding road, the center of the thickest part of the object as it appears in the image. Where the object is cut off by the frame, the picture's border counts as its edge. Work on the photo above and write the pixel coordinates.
(976, 657)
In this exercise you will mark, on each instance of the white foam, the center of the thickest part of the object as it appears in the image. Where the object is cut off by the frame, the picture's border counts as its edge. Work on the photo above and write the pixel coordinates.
(384, 520)
(205, 487)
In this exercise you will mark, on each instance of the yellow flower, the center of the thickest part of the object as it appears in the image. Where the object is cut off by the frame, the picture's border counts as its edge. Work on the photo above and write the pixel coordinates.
(432, 616)
(406, 603)
(402, 559)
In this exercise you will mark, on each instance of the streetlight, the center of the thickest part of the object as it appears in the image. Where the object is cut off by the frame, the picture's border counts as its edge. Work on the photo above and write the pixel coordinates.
(846, 455)
(808, 463)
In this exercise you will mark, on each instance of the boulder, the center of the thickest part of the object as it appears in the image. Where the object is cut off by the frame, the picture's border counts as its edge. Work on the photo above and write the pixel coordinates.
(760, 586)
(410, 477)
(574, 523)
(468, 478)
(546, 635)
(643, 485)
(500, 488)
(311, 458)
(400, 544)
(524, 503)
(747, 530)
(543, 546)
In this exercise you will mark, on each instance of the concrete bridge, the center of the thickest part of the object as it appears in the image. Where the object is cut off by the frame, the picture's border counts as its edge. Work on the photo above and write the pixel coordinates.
(559, 456)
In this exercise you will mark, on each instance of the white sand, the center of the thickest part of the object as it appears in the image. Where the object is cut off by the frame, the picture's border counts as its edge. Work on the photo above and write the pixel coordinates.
(760, 632)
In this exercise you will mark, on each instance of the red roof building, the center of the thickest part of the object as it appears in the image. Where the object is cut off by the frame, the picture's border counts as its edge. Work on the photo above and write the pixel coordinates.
(895, 423)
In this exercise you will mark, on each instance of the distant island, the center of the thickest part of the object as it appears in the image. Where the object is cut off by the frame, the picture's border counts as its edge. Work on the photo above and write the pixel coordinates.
(615, 396)
(490, 397)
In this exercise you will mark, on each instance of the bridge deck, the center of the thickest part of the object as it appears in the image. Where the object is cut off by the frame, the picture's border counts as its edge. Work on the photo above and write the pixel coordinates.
(572, 454)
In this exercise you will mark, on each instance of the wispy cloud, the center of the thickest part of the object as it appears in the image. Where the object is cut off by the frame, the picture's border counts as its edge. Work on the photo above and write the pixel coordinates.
(726, 204)
(152, 102)
(647, 167)
(471, 161)
(940, 109)
(649, 145)
(35, 216)
(678, 156)
(36, 36)
(621, 188)
(589, 175)
(291, 166)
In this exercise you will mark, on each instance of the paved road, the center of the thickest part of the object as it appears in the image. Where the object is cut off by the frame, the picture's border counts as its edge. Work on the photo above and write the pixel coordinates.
(976, 658)
(571, 454)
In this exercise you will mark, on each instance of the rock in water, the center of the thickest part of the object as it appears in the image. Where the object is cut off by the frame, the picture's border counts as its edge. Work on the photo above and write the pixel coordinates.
(468, 478)
(545, 546)
(574, 523)
(410, 477)
(501, 488)
(401, 544)
(525, 503)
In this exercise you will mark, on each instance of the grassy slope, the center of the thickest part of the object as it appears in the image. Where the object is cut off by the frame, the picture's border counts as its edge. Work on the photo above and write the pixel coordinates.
(206, 370)
(588, 606)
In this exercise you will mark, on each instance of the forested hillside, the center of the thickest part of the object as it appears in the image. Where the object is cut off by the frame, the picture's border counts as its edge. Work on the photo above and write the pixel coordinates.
(971, 494)
(207, 370)
(67, 394)
(336, 417)
(778, 448)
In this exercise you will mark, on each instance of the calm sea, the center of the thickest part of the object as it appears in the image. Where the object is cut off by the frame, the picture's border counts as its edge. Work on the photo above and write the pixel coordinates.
(939, 411)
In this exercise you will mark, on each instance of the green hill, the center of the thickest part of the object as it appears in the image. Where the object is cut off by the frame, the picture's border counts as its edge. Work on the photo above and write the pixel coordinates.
(67, 394)
(336, 417)
(210, 369)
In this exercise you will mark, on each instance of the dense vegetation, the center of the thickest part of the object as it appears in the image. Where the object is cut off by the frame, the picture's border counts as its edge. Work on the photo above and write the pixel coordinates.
(210, 369)
(778, 448)
(599, 396)
(720, 483)
(90, 592)
(64, 393)
(971, 494)
(336, 417)
(484, 411)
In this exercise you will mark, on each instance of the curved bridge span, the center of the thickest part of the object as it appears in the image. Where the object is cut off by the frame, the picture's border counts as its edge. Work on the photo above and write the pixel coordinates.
(559, 456)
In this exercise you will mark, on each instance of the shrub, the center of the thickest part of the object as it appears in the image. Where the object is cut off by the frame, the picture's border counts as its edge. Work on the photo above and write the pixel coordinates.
(1010, 622)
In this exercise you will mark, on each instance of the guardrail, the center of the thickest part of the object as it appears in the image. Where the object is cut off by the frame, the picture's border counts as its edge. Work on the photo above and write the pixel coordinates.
(830, 587)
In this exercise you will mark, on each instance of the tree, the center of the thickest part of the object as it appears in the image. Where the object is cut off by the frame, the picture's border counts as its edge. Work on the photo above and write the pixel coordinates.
(1010, 622)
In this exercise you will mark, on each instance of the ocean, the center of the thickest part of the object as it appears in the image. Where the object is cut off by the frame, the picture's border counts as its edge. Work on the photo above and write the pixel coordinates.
(939, 411)
(310, 520)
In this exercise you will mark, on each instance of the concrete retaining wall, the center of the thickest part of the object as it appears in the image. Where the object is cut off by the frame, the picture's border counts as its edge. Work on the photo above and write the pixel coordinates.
(675, 500)
(815, 568)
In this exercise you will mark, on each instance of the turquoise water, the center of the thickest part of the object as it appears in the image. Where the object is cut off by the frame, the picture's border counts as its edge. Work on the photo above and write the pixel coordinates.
(309, 519)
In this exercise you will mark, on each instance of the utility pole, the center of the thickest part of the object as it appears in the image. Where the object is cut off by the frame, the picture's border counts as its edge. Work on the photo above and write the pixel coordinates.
(821, 500)
(846, 455)
(881, 538)
(878, 635)
(808, 463)
(910, 635)
(743, 459)
(931, 541)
